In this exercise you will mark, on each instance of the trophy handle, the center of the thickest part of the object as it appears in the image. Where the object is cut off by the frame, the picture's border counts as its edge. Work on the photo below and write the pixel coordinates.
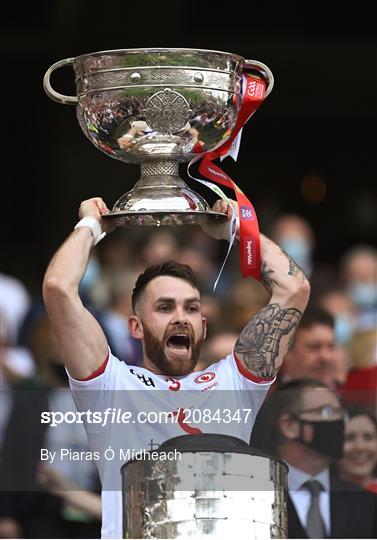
(60, 98)
(262, 69)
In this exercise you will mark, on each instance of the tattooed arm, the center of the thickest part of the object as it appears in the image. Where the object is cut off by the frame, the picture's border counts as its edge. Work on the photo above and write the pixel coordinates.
(264, 341)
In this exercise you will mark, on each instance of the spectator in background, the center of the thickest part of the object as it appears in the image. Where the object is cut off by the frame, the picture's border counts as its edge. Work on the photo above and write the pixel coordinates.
(159, 247)
(245, 296)
(296, 237)
(116, 253)
(358, 270)
(16, 361)
(201, 264)
(339, 305)
(32, 512)
(16, 365)
(114, 318)
(216, 348)
(305, 428)
(70, 493)
(359, 462)
(313, 351)
(15, 303)
(90, 280)
(212, 310)
(313, 354)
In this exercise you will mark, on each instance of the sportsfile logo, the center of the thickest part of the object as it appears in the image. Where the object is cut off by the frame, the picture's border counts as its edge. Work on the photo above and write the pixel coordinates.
(246, 213)
(249, 250)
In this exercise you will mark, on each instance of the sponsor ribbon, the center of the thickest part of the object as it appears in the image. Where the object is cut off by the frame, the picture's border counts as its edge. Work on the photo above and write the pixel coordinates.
(254, 89)
(232, 229)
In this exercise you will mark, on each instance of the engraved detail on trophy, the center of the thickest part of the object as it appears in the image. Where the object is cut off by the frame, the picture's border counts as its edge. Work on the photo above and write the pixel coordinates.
(198, 77)
(135, 77)
(125, 78)
(167, 111)
(157, 167)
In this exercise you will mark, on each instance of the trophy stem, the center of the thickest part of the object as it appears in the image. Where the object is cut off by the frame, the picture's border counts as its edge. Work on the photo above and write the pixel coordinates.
(161, 197)
(158, 167)
(160, 174)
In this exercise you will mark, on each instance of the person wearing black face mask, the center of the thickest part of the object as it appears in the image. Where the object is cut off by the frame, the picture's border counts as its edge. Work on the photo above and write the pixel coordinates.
(327, 434)
(304, 426)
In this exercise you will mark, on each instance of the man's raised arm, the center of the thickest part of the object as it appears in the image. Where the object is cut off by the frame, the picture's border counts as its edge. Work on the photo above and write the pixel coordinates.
(81, 342)
(264, 341)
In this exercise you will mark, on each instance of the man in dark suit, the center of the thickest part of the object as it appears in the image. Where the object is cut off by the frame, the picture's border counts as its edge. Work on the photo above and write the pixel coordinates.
(306, 423)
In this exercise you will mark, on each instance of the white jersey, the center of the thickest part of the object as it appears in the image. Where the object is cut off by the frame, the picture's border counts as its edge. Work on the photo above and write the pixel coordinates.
(191, 404)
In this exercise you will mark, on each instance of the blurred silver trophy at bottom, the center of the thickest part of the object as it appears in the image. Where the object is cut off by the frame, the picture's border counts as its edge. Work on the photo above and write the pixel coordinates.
(217, 487)
(160, 107)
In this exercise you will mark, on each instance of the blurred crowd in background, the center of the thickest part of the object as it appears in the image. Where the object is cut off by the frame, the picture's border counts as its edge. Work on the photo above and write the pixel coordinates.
(335, 344)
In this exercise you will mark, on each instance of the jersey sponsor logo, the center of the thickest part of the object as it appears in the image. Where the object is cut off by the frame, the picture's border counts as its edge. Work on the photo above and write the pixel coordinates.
(210, 387)
(205, 377)
(147, 381)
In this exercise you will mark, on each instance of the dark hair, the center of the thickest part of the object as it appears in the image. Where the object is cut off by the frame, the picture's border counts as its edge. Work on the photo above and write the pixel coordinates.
(286, 399)
(316, 315)
(361, 410)
(169, 268)
(312, 316)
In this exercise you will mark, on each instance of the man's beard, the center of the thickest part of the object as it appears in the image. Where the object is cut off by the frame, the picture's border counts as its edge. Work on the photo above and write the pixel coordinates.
(154, 350)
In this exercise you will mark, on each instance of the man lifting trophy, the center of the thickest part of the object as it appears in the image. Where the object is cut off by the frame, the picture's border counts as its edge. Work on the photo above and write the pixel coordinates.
(159, 108)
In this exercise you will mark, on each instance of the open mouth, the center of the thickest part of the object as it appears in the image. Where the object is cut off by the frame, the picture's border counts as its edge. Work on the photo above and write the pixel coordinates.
(179, 343)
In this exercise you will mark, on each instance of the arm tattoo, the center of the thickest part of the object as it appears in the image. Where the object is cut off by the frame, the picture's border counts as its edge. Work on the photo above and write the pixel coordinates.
(259, 342)
(266, 277)
(294, 269)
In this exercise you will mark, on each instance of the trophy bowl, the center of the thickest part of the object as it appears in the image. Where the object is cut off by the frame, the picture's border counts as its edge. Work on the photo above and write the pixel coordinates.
(158, 107)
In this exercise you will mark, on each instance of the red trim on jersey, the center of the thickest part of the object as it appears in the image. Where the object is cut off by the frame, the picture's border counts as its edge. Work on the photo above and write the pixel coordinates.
(98, 371)
(246, 373)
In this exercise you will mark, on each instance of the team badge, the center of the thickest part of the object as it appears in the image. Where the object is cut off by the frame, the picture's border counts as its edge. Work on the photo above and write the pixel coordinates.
(205, 377)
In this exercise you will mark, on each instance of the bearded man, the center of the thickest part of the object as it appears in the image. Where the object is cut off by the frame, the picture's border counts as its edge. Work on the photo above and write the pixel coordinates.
(167, 319)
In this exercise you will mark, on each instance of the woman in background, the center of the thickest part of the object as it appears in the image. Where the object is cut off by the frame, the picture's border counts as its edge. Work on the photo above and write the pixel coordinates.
(359, 462)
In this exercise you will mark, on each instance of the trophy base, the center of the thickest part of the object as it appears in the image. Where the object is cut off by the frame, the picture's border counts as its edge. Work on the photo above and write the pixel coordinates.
(158, 219)
(161, 197)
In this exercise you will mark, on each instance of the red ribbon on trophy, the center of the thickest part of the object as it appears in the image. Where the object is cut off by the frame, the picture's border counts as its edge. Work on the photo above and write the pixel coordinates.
(253, 96)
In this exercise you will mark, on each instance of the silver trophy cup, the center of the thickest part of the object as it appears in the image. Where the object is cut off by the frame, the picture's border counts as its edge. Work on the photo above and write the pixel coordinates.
(158, 107)
(218, 488)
